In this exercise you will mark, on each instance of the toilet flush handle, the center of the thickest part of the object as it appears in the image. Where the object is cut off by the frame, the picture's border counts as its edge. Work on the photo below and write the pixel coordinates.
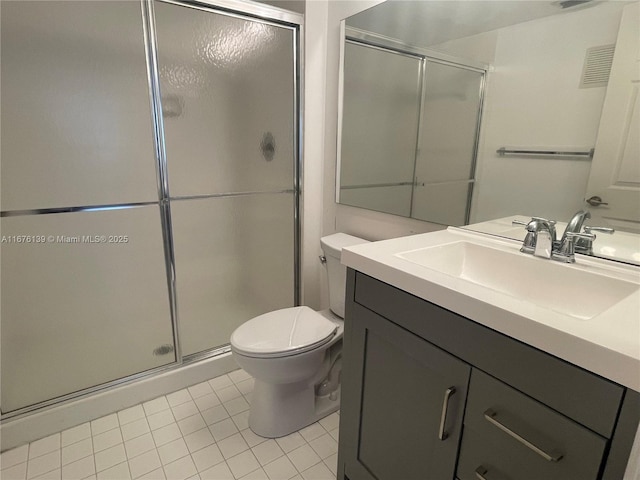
(323, 259)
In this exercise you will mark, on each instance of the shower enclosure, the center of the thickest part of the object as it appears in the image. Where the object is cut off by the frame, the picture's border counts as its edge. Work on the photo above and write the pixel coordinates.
(150, 187)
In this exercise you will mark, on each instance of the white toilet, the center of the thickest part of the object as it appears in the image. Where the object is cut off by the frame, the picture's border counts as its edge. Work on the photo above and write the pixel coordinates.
(294, 354)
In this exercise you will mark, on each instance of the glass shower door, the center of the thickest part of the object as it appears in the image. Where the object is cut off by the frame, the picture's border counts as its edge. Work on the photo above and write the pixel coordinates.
(228, 99)
(84, 291)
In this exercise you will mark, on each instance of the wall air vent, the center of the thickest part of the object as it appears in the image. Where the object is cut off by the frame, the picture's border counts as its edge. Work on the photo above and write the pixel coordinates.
(597, 66)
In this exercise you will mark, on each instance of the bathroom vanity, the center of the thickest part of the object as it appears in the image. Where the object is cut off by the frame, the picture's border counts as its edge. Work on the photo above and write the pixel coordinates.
(465, 359)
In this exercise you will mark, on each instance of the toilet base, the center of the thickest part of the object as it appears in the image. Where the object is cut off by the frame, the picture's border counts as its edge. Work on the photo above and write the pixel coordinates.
(278, 410)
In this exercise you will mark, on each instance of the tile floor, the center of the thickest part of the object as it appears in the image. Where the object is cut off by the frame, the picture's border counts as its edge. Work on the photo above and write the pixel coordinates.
(197, 433)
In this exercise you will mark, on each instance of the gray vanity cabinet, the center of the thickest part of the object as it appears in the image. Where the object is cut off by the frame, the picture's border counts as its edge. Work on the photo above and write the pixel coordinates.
(412, 397)
(430, 395)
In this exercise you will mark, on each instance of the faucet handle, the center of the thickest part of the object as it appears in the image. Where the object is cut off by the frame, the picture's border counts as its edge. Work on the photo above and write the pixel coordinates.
(607, 230)
(566, 250)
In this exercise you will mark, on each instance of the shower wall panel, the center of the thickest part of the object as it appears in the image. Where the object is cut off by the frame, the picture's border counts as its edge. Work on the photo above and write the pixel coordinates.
(76, 127)
(78, 312)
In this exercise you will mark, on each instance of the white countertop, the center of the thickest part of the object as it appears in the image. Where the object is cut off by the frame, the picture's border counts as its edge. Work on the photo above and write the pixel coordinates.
(607, 344)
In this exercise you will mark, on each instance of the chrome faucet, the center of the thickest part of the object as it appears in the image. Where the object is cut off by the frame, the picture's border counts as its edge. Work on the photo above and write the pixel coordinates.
(541, 241)
(583, 244)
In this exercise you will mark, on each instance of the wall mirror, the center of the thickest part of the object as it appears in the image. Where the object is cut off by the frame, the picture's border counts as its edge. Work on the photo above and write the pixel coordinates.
(463, 112)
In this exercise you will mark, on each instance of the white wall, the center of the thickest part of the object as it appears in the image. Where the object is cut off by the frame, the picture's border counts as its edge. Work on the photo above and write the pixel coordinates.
(321, 214)
(533, 100)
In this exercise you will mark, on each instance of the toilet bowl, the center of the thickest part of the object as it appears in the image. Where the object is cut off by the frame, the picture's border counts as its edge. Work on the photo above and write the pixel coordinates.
(294, 355)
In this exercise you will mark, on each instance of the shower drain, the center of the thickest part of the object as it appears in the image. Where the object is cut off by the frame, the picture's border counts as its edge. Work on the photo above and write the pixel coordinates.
(163, 349)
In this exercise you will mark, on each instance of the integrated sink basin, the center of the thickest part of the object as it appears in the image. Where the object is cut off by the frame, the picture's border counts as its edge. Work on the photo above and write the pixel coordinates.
(559, 287)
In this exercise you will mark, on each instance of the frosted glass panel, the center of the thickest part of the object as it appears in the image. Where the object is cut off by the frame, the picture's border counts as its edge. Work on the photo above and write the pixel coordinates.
(380, 117)
(228, 101)
(234, 260)
(449, 124)
(75, 313)
(76, 127)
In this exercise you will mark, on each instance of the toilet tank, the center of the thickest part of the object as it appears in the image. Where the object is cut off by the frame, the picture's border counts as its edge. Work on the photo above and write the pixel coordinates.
(336, 272)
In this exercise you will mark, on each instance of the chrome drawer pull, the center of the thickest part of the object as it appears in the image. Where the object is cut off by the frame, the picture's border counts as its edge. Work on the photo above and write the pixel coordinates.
(442, 435)
(481, 472)
(552, 456)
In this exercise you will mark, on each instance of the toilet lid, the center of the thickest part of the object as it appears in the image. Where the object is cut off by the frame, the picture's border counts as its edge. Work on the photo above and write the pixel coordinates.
(283, 332)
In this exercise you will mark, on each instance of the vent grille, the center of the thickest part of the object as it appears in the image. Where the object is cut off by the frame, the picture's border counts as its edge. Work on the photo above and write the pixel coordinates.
(597, 66)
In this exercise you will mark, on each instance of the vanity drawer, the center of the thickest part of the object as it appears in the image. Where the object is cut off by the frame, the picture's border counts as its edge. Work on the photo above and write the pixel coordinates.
(581, 395)
(509, 436)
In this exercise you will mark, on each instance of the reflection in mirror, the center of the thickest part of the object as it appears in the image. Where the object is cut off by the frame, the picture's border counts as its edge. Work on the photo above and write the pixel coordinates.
(462, 112)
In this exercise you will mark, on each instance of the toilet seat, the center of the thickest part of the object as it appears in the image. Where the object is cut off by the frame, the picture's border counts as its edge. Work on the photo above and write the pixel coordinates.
(283, 333)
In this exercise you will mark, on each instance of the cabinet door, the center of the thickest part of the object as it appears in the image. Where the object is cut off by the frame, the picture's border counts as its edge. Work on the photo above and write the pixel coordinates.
(410, 396)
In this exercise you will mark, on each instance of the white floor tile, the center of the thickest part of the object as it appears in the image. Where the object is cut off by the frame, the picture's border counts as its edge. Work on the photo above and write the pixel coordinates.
(166, 434)
(318, 472)
(314, 430)
(228, 393)
(330, 422)
(199, 433)
(43, 464)
(324, 446)
(259, 474)
(52, 475)
(280, 469)
(44, 445)
(129, 415)
(16, 472)
(237, 405)
(119, 472)
(76, 451)
(303, 457)
(242, 464)
(241, 420)
(135, 429)
(110, 457)
(191, 424)
(107, 439)
(139, 445)
(214, 415)
(145, 463)
(79, 470)
(104, 424)
(154, 475)
(14, 457)
(207, 457)
(198, 440)
(291, 442)
(156, 405)
(220, 382)
(238, 376)
(160, 419)
(223, 429)
(251, 438)
(76, 434)
(217, 472)
(267, 452)
(172, 451)
(180, 469)
(207, 401)
(179, 397)
(233, 445)
(246, 386)
(185, 410)
(332, 463)
(199, 390)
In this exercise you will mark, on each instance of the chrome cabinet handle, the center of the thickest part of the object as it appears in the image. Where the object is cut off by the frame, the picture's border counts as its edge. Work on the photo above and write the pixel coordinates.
(552, 456)
(596, 201)
(442, 435)
(481, 472)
